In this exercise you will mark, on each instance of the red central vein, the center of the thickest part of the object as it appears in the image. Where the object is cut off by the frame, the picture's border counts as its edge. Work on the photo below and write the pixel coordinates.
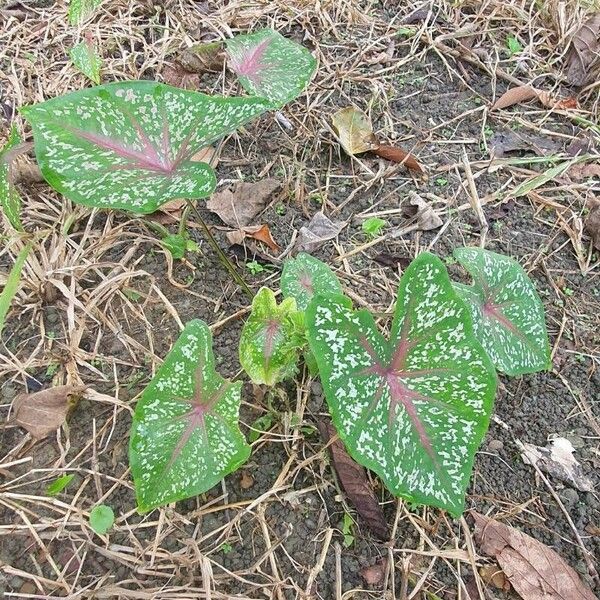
(249, 63)
(271, 330)
(306, 282)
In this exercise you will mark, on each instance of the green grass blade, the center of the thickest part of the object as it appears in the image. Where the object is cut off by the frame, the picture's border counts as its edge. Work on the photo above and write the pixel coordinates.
(12, 284)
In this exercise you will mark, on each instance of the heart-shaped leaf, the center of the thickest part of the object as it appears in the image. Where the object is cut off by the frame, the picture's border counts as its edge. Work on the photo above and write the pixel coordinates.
(271, 339)
(185, 435)
(80, 10)
(305, 276)
(130, 145)
(507, 313)
(413, 409)
(271, 66)
(10, 201)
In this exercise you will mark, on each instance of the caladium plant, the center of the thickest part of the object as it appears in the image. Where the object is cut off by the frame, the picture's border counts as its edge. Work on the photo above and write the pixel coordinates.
(270, 66)
(185, 435)
(10, 201)
(413, 409)
(507, 313)
(304, 276)
(271, 339)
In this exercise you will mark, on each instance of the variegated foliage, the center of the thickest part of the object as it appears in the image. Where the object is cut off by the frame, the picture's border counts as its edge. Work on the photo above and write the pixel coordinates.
(413, 409)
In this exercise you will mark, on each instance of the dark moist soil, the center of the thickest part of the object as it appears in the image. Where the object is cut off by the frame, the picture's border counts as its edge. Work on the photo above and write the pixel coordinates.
(533, 406)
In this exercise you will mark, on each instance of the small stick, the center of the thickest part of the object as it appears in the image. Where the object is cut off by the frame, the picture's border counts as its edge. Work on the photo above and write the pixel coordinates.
(474, 198)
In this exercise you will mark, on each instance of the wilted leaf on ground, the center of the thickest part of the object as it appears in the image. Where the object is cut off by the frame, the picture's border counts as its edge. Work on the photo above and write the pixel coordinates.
(262, 233)
(178, 76)
(592, 222)
(398, 155)
(238, 204)
(45, 411)
(319, 230)
(522, 93)
(355, 482)
(557, 460)
(354, 130)
(201, 58)
(86, 58)
(535, 571)
(583, 52)
(507, 141)
(102, 518)
(426, 217)
(493, 575)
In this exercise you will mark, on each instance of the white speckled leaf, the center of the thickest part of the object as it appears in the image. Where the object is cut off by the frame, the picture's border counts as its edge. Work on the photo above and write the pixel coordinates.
(507, 312)
(80, 10)
(86, 58)
(269, 65)
(269, 344)
(413, 409)
(10, 201)
(185, 435)
(305, 276)
(130, 145)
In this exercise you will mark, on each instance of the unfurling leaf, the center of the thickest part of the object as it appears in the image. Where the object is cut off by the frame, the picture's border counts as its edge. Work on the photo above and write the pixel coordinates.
(43, 412)
(102, 518)
(10, 201)
(535, 571)
(413, 409)
(271, 339)
(239, 204)
(507, 313)
(86, 58)
(131, 145)
(270, 66)
(80, 10)
(355, 131)
(305, 276)
(354, 480)
(185, 435)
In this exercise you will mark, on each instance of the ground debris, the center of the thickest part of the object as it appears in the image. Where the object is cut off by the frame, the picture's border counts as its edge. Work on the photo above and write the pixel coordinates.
(319, 230)
(583, 52)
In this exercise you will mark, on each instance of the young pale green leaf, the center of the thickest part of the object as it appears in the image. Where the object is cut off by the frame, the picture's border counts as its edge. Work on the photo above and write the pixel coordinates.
(269, 344)
(269, 65)
(10, 201)
(507, 313)
(58, 485)
(185, 435)
(86, 58)
(102, 518)
(80, 10)
(305, 276)
(176, 244)
(130, 145)
(12, 284)
(413, 409)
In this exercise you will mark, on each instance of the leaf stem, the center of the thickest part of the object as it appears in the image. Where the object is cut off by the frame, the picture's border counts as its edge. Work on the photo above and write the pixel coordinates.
(222, 256)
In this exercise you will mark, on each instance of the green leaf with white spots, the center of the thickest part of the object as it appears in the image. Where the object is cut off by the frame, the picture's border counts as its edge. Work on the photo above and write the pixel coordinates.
(305, 276)
(86, 58)
(10, 200)
(269, 65)
(507, 313)
(80, 10)
(130, 145)
(413, 409)
(185, 435)
(271, 339)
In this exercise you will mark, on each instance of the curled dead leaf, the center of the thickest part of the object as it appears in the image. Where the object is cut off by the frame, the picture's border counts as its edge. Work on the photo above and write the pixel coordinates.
(202, 58)
(426, 217)
(494, 576)
(592, 222)
(398, 155)
(522, 93)
(354, 130)
(583, 52)
(319, 230)
(583, 171)
(45, 411)
(238, 204)
(262, 233)
(535, 571)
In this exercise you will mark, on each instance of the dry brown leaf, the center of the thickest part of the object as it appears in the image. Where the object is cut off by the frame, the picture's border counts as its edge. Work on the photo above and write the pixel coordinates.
(238, 204)
(494, 576)
(177, 76)
(246, 481)
(262, 233)
(509, 141)
(375, 574)
(522, 93)
(203, 57)
(582, 171)
(354, 130)
(592, 222)
(583, 52)
(319, 230)
(353, 478)
(45, 411)
(400, 156)
(427, 219)
(593, 530)
(535, 571)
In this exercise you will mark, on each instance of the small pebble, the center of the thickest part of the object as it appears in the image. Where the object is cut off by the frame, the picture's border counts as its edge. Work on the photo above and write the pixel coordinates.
(495, 445)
